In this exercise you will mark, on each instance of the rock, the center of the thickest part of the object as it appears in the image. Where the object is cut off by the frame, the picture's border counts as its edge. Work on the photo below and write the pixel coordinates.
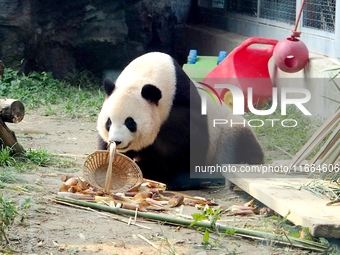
(64, 36)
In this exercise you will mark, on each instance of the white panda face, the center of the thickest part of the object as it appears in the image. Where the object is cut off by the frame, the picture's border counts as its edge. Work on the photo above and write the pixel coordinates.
(138, 103)
(122, 135)
(131, 120)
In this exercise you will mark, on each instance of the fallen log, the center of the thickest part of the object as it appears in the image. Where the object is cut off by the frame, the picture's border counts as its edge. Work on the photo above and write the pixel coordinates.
(11, 110)
(8, 138)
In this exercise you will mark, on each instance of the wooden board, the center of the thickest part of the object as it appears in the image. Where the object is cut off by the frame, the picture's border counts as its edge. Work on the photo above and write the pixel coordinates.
(282, 195)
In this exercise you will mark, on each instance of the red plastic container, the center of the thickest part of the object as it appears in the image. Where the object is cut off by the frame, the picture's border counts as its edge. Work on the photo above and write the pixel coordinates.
(245, 67)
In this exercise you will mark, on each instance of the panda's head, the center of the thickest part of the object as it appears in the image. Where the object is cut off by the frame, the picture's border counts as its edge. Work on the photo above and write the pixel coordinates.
(138, 103)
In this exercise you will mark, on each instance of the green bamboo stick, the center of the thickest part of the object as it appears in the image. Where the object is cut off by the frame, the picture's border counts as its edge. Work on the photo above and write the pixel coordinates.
(296, 242)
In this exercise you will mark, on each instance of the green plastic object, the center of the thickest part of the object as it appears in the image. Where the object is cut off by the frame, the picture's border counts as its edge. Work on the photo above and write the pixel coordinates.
(198, 67)
(203, 66)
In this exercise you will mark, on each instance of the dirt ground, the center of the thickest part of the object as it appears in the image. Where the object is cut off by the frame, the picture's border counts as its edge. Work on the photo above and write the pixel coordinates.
(50, 228)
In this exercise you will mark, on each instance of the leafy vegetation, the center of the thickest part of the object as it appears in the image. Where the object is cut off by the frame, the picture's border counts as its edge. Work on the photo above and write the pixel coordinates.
(212, 216)
(6, 158)
(39, 157)
(11, 166)
(282, 136)
(7, 216)
(81, 98)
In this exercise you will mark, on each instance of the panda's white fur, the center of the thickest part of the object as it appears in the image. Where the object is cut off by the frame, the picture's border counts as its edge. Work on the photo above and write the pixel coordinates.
(126, 101)
(171, 134)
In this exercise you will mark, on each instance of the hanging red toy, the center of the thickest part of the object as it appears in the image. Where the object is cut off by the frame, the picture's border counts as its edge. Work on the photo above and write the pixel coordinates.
(290, 54)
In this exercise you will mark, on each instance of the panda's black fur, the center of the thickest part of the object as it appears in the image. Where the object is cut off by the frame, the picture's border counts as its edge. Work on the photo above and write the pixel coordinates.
(168, 158)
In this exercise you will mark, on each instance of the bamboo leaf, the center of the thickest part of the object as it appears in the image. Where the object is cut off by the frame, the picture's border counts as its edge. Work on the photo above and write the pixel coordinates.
(197, 217)
(331, 99)
(335, 84)
(334, 68)
(206, 236)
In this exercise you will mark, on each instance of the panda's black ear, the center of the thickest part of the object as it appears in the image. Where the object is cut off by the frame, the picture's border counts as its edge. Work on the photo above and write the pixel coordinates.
(151, 93)
(108, 86)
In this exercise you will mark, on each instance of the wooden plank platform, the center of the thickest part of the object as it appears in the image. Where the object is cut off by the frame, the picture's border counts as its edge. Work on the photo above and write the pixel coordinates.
(282, 195)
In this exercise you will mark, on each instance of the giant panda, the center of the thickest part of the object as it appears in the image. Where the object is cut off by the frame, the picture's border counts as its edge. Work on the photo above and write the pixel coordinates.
(153, 113)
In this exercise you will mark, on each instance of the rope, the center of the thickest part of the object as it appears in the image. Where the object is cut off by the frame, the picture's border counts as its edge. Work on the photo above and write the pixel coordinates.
(294, 32)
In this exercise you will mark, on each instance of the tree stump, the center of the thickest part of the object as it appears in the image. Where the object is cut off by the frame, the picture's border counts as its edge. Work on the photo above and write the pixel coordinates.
(12, 111)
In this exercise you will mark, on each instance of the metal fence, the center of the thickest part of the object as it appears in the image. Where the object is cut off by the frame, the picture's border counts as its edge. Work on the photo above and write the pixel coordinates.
(317, 14)
(283, 11)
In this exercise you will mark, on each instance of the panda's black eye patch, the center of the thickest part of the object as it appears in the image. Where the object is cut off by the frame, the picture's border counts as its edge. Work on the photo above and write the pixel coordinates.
(108, 124)
(131, 124)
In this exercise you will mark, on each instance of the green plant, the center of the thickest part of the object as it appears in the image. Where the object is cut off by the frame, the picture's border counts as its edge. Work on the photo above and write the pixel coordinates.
(7, 176)
(83, 79)
(80, 98)
(283, 142)
(39, 157)
(7, 216)
(167, 247)
(6, 158)
(28, 160)
(25, 203)
(212, 216)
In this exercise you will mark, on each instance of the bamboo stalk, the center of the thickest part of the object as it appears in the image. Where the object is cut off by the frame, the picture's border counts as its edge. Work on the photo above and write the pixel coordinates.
(318, 136)
(334, 157)
(296, 242)
(108, 179)
(328, 144)
(106, 215)
(334, 148)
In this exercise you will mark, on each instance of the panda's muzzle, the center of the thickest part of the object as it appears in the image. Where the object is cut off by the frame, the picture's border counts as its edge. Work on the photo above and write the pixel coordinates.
(121, 148)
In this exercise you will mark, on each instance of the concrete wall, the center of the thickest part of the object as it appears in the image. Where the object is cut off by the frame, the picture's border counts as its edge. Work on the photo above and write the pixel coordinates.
(209, 41)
